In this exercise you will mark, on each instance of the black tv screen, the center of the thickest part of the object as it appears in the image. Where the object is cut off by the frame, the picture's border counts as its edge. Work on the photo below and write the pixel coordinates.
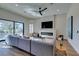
(48, 24)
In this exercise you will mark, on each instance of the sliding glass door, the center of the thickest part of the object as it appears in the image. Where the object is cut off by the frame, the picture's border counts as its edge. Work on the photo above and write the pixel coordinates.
(6, 28)
(18, 28)
(10, 27)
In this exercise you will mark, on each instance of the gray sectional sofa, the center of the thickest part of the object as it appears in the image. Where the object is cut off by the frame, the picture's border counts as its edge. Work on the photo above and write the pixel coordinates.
(35, 46)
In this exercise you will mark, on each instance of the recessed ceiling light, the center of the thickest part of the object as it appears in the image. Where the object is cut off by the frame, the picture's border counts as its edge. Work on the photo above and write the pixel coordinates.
(24, 11)
(58, 10)
(17, 5)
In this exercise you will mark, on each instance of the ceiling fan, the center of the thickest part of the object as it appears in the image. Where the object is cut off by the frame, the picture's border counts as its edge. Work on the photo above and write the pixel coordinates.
(41, 10)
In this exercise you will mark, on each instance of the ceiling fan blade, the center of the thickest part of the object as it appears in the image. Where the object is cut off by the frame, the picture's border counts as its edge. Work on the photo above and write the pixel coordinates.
(40, 12)
(44, 9)
(40, 8)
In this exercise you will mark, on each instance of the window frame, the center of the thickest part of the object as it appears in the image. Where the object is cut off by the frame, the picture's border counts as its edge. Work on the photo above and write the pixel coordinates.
(14, 24)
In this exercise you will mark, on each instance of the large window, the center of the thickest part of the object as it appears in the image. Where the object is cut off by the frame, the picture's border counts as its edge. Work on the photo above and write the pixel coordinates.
(19, 28)
(30, 28)
(6, 28)
(10, 27)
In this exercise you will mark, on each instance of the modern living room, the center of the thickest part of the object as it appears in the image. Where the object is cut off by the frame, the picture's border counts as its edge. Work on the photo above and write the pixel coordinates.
(39, 29)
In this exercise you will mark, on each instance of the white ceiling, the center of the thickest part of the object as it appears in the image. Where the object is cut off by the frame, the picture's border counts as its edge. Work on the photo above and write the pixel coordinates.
(28, 9)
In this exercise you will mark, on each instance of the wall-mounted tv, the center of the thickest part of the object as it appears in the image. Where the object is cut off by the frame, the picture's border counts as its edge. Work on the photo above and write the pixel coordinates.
(47, 24)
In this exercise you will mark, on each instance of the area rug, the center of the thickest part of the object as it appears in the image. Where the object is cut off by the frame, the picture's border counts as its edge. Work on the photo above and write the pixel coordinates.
(4, 45)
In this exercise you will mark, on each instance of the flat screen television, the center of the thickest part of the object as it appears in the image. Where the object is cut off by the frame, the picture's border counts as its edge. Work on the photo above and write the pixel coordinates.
(47, 24)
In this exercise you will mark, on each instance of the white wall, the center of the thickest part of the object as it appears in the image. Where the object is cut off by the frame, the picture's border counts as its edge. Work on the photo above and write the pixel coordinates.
(37, 24)
(11, 16)
(60, 25)
(74, 11)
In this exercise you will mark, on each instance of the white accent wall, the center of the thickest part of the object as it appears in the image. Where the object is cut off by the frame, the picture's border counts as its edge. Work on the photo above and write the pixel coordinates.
(44, 19)
(59, 24)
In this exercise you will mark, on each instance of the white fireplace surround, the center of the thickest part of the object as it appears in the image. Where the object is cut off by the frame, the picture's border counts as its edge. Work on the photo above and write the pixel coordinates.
(49, 36)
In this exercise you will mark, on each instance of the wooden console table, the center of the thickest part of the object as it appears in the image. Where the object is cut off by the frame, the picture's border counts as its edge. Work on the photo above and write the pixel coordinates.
(60, 50)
